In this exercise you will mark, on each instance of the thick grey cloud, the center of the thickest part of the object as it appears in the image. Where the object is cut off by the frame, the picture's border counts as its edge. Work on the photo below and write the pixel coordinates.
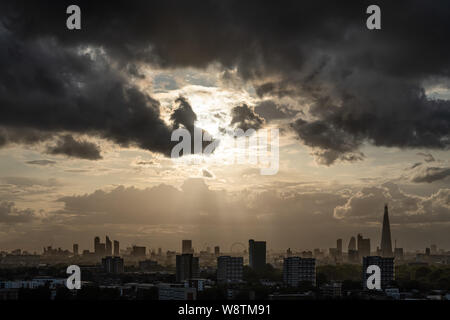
(244, 117)
(362, 86)
(9, 214)
(330, 143)
(183, 115)
(366, 205)
(430, 174)
(269, 110)
(70, 147)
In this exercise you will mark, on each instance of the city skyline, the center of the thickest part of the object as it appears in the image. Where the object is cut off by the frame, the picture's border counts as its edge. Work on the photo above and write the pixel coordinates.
(360, 244)
(351, 117)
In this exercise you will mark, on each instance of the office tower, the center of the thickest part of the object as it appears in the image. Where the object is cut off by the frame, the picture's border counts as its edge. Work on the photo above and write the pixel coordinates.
(108, 247)
(99, 248)
(386, 266)
(352, 244)
(186, 247)
(229, 269)
(257, 254)
(138, 251)
(339, 246)
(386, 243)
(112, 265)
(216, 250)
(427, 251)
(96, 244)
(187, 267)
(363, 246)
(75, 249)
(296, 270)
(116, 248)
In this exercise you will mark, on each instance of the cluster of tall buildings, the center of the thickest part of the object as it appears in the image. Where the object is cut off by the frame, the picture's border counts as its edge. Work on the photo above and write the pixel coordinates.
(105, 249)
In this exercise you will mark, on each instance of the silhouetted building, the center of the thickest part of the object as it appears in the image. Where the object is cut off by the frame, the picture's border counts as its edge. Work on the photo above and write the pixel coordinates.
(138, 251)
(229, 269)
(170, 291)
(99, 248)
(353, 256)
(116, 248)
(352, 244)
(333, 289)
(113, 265)
(187, 267)
(108, 247)
(75, 249)
(186, 247)
(216, 250)
(296, 270)
(386, 266)
(386, 243)
(363, 246)
(148, 265)
(257, 254)
(339, 246)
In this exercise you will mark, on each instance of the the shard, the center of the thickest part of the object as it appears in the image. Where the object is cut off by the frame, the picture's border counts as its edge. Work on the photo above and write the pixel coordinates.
(386, 243)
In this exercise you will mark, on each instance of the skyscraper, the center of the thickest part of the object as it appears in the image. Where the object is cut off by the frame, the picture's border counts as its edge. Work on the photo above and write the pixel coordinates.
(339, 246)
(363, 246)
(108, 246)
(113, 265)
(186, 246)
(75, 249)
(187, 267)
(229, 269)
(352, 244)
(116, 248)
(99, 248)
(257, 254)
(297, 270)
(386, 243)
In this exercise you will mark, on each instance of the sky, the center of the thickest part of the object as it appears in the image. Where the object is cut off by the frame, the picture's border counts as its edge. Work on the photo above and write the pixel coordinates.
(87, 116)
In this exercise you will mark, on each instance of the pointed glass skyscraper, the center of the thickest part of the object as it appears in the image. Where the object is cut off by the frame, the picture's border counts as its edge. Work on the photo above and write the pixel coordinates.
(386, 243)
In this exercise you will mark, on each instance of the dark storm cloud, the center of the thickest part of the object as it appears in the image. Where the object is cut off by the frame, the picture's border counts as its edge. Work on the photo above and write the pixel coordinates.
(46, 89)
(331, 142)
(269, 110)
(362, 86)
(183, 115)
(70, 147)
(244, 117)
